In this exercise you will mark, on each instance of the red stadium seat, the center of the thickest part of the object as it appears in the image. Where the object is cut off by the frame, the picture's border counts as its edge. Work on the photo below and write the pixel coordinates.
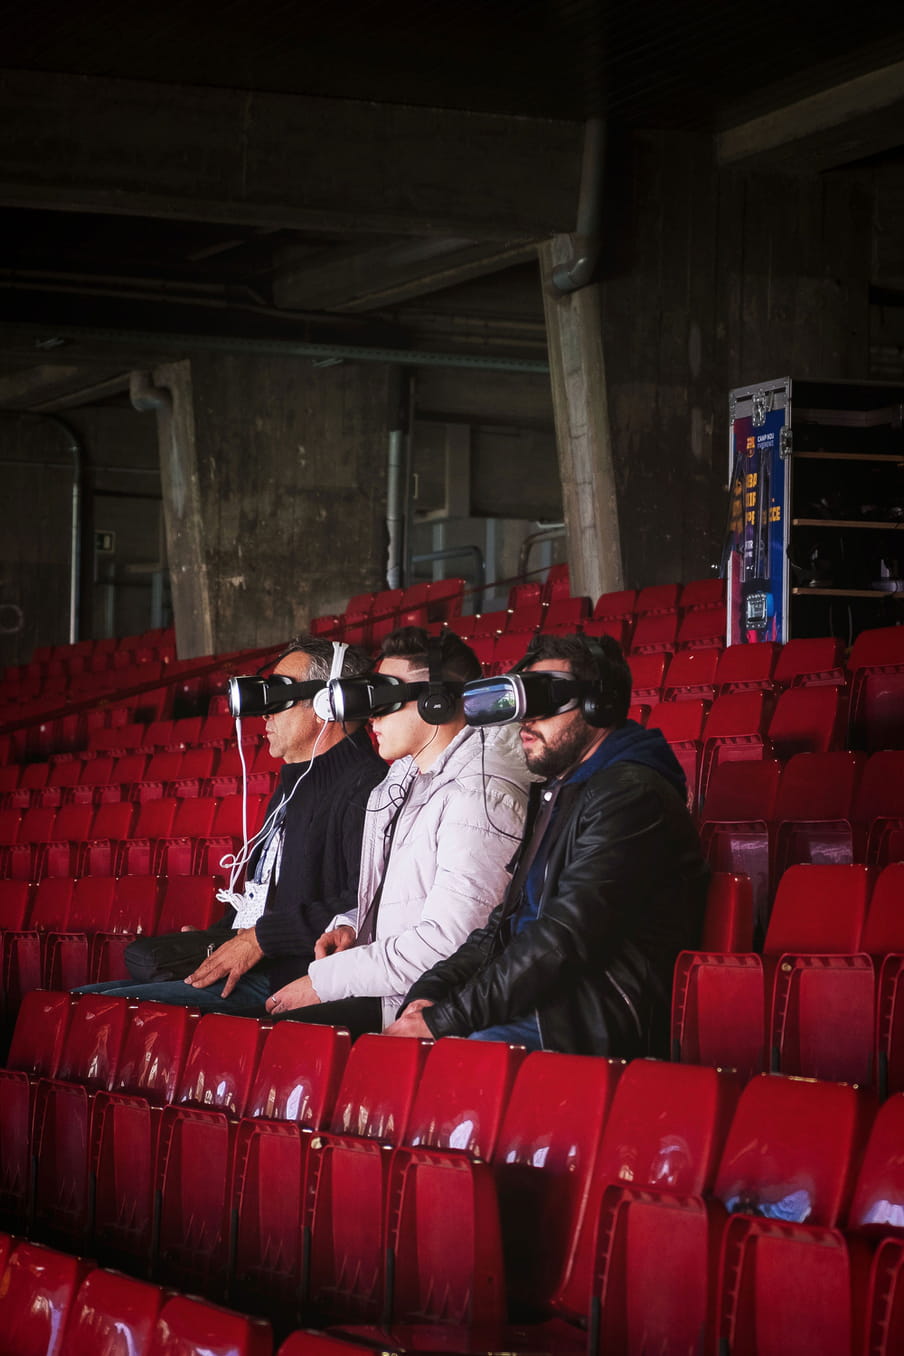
(63, 1117)
(617, 606)
(728, 923)
(67, 956)
(35, 1052)
(136, 904)
(528, 617)
(112, 1313)
(657, 598)
(127, 1125)
(691, 675)
(807, 720)
(519, 594)
(878, 809)
(747, 668)
(811, 662)
(557, 583)
(665, 1131)
(25, 952)
(187, 1327)
(702, 629)
(735, 732)
(702, 593)
(565, 616)
(348, 1174)
(682, 723)
(647, 677)
(813, 809)
(876, 665)
(735, 824)
(655, 633)
(195, 1158)
(36, 1297)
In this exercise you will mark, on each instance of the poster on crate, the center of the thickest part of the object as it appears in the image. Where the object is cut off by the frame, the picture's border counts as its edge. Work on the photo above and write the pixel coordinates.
(755, 563)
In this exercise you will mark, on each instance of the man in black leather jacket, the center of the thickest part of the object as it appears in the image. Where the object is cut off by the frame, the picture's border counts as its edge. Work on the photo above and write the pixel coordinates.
(609, 885)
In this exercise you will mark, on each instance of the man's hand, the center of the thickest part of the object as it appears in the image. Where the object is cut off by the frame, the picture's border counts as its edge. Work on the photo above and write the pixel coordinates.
(299, 994)
(233, 959)
(411, 1023)
(337, 939)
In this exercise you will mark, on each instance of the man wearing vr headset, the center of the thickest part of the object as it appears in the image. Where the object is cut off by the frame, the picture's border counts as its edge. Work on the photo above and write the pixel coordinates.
(439, 831)
(305, 867)
(609, 884)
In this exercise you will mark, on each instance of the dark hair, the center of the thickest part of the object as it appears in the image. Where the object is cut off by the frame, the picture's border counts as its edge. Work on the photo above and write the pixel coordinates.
(605, 663)
(355, 661)
(459, 663)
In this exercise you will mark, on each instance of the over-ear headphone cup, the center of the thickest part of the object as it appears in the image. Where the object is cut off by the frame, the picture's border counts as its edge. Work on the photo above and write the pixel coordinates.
(436, 706)
(323, 708)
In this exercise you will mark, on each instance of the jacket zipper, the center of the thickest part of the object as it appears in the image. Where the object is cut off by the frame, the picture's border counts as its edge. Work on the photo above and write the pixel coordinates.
(628, 1004)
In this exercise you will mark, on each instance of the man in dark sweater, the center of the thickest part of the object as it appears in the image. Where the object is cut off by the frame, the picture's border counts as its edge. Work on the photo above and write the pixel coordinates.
(609, 884)
(303, 872)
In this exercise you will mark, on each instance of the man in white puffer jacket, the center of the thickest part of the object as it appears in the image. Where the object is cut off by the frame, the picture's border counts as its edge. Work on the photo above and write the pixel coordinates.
(439, 832)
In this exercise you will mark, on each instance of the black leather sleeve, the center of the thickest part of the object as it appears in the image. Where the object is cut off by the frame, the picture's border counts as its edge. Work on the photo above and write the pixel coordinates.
(459, 968)
(604, 854)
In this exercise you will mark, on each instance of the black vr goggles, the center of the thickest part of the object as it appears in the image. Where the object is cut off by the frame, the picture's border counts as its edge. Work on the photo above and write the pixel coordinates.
(523, 696)
(253, 696)
(379, 694)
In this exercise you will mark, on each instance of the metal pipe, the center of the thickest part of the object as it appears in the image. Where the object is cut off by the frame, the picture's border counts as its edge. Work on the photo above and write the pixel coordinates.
(394, 518)
(77, 452)
(145, 396)
(168, 344)
(545, 534)
(579, 271)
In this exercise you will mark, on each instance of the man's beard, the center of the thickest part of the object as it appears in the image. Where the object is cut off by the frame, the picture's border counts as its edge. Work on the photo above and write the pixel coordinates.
(552, 759)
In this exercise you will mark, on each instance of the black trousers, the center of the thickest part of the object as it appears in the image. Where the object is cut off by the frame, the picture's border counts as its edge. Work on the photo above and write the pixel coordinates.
(357, 1015)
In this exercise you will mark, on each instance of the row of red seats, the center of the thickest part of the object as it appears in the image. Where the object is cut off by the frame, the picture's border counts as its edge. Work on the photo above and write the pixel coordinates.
(168, 835)
(745, 726)
(467, 1184)
(101, 778)
(54, 1304)
(826, 997)
(761, 818)
(62, 933)
(156, 636)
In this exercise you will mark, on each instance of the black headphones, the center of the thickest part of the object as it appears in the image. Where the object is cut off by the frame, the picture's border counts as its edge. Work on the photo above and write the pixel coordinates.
(600, 703)
(438, 703)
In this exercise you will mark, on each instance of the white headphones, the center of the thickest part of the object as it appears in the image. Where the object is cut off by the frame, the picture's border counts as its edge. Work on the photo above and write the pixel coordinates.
(323, 708)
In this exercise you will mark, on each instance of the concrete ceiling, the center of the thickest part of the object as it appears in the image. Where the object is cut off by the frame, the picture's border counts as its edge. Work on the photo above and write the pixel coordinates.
(367, 174)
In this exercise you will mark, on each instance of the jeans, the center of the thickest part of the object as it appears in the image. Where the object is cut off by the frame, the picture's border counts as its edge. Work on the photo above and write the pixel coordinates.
(526, 1032)
(246, 1000)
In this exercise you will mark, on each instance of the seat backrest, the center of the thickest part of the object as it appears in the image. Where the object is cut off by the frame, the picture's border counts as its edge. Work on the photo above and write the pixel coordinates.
(877, 1204)
(819, 909)
(51, 904)
(195, 816)
(221, 1063)
(154, 1051)
(808, 656)
(806, 720)
(92, 904)
(659, 629)
(15, 898)
(298, 1073)
(462, 1095)
(41, 1027)
(879, 648)
(703, 627)
(94, 1040)
(703, 593)
(114, 819)
(647, 672)
(728, 921)
(692, 668)
(620, 604)
(658, 598)
(155, 818)
(818, 786)
(136, 903)
(529, 592)
(188, 1326)
(557, 583)
(526, 617)
(36, 1297)
(792, 1149)
(883, 931)
(744, 665)
(112, 1314)
(37, 824)
(737, 713)
(740, 792)
(377, 1088)
(568, 612)
(96, 771)
(881, 789)
(679, 722)
(73, 822)
(228, 815)
(188, 901)
(165, 766)
(200, 762)
(130, 767)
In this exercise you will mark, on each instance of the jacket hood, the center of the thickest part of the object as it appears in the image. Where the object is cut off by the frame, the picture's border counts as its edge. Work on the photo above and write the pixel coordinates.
(631, 743)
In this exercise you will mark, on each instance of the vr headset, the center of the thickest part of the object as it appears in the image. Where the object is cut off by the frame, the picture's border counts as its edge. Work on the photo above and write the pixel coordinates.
(379, 694)
(253, 696)
(522, 696)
